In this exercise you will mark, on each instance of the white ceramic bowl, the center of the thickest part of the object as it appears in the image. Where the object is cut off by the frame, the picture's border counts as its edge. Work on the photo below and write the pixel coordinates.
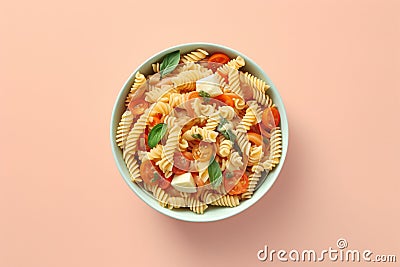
(212, 213)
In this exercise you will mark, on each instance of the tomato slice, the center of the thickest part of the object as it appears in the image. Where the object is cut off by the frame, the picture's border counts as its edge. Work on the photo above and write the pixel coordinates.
(227, 99)
(255, 138)
(193, 94)
(270, 117)
(216, 60)
(237, 184)
(154, 120)
(241, 186)
(164, 183)
(277, 116)
(181, 163)
(188, 155)
(147, 172)
(137, 107)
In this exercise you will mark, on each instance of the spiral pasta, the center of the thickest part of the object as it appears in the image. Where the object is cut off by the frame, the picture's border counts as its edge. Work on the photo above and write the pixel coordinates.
(275, 149)
(256, 82)
(187, 79)
(160, 108)
(208, 196)
(156, 67)
(124, 127)
(253, 180)
(199, 133)
(248, 120)
(139, 81)
(234, 162)
(243, 143)
(255, 155)
(133, 136)
(212, 122)
(225, 148)
(227, 201)
(176, 202)
(195, 56)
(196, 205)
(155, 153)
(234, 85)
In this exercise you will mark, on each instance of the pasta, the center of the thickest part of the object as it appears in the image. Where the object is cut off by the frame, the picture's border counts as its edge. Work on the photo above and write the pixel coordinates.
(226, 201)
(124, 127)
(200, 133)
(195, 56)
(139, 81)
(184, 128)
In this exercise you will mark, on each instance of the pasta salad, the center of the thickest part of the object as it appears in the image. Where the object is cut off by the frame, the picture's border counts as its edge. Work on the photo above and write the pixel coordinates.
(199, 131)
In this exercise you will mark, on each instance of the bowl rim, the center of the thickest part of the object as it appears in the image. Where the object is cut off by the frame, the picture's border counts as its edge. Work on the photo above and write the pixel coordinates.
(227, 212)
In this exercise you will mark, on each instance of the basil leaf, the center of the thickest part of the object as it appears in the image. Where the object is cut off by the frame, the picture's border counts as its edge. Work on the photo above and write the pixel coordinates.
(169, 63)
(204, 94)
(156, 133)
(197, 136)
(215, 174)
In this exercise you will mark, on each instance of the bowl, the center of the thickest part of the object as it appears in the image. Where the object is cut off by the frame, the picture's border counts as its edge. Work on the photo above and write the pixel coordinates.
(212, 213)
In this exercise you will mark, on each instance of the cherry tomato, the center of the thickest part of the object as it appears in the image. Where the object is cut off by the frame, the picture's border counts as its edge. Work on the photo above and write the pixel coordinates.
(226, 99)
(203, 152)
(254, 138)
(137, 107)
(147, 172)
(241, 186)
(216, 60)
(164, 183)
(270, 118)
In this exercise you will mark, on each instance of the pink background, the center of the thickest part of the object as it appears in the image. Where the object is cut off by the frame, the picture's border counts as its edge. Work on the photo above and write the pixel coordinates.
(62, 200)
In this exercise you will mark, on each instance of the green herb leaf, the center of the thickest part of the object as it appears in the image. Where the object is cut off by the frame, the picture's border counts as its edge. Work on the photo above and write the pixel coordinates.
(197, 136)
(215, 173)
(204, 94)
(156, 133)
(155, 178)
(169, 63)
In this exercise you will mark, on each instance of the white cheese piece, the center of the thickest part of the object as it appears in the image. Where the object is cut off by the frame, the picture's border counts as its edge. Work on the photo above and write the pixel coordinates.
(209, 85)
(184, 183)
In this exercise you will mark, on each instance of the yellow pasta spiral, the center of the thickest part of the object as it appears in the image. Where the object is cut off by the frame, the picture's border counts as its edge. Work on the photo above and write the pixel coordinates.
(196, 205)
(123, 128)
(206, 135)
(256, 82)
(275, 149)
(253, 181)
(248, 120)
(155, 153)
(176, 202)
(195, 56)
(227, 201)
(139, 81)
(225, 148)
(255, 155)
